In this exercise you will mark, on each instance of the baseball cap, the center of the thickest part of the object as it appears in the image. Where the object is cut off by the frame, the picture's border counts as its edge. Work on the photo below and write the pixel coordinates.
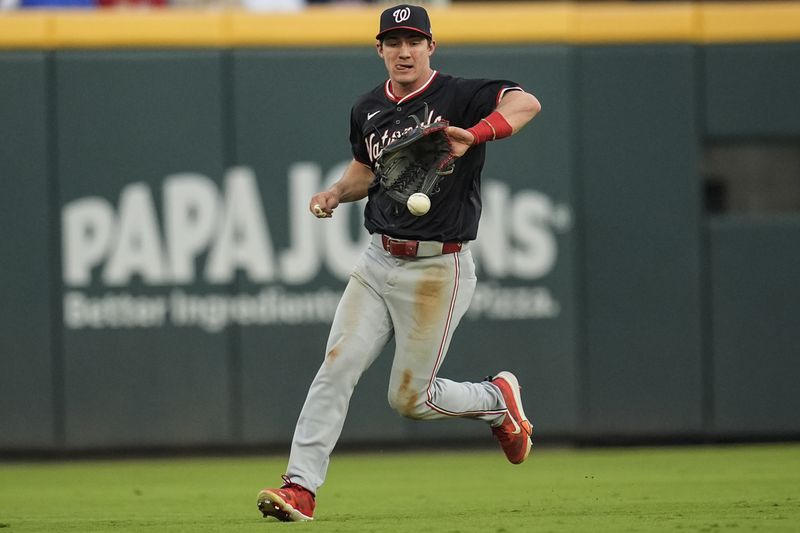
(405, 17)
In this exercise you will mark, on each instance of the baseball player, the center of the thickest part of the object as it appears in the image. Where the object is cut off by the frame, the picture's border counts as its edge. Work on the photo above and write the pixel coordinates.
(416, 279)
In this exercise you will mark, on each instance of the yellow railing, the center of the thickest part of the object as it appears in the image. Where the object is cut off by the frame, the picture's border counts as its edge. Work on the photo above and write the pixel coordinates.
(489, 23)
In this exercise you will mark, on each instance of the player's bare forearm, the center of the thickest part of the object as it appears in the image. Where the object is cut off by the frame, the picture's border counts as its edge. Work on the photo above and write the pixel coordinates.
(351, 187)
(518, 108)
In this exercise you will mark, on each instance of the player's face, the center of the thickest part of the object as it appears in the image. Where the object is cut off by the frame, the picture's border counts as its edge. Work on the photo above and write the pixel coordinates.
(407, 56)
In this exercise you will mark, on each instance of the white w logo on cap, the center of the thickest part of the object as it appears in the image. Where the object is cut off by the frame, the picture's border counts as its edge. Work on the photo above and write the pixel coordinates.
(401, 15)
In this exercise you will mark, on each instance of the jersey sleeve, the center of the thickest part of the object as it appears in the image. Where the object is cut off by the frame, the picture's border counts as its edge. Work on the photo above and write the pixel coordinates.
(479, 97)
(357, 144)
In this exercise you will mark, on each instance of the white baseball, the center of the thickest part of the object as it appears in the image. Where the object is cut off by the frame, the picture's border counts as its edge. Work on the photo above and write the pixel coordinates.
(418, 204)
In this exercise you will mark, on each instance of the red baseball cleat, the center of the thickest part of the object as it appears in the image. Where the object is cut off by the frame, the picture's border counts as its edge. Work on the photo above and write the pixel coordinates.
(290, 503)
(514, 434)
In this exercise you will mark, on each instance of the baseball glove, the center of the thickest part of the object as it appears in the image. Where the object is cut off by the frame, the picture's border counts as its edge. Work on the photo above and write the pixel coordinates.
(415, 161)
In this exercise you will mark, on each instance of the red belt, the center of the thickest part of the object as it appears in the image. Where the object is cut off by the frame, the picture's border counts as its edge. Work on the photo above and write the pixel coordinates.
(410, 248)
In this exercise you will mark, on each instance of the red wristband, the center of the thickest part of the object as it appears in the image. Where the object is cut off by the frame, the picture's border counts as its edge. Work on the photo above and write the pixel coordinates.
(493, 127)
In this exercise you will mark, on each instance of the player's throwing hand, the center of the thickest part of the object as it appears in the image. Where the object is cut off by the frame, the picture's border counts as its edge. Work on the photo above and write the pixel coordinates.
(323, 204)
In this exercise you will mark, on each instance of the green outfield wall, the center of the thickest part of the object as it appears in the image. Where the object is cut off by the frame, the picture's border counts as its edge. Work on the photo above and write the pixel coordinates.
(164, 286)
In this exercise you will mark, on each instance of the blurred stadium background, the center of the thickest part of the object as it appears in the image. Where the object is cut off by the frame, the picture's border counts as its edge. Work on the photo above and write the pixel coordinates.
(163, 287)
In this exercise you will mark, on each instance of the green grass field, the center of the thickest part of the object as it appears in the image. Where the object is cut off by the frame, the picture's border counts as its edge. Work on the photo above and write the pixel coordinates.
(731, 488)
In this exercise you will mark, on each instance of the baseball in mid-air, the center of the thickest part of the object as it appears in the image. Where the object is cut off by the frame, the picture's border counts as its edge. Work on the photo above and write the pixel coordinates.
(418, 204)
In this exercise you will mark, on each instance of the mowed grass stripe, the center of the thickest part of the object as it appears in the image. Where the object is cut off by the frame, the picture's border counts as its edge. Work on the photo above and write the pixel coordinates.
(729, 488)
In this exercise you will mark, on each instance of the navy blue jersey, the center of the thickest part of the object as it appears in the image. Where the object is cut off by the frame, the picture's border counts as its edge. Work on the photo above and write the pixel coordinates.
(379, 116)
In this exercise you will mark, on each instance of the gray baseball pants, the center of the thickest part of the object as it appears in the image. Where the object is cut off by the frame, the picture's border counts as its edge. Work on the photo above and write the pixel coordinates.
(418, 300)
